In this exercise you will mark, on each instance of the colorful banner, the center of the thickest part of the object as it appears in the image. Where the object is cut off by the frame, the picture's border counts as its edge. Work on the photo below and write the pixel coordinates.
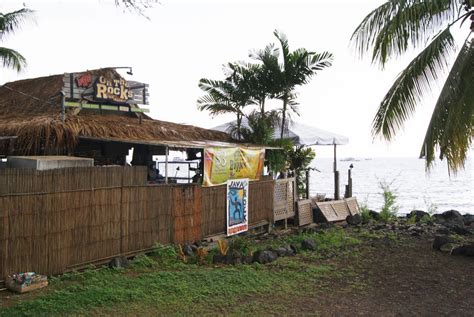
(237, 206)
(221, 164)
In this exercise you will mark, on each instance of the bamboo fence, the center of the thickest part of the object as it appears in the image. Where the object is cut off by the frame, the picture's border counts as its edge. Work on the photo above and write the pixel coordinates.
(56, 220)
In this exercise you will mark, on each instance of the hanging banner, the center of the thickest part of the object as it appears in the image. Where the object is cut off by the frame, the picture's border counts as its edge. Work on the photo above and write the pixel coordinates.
(221, 164)
(237, 206)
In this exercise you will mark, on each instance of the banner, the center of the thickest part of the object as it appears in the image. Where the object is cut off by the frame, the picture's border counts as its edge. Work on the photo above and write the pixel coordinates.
(237, 206)
(221, 164)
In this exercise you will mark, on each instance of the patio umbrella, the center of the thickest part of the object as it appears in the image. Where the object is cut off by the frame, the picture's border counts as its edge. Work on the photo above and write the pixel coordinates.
(303, 134)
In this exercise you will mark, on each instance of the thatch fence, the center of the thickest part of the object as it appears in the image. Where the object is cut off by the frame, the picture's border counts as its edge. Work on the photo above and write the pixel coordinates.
(58, 220)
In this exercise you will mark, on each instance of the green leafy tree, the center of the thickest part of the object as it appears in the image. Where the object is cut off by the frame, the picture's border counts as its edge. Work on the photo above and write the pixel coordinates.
(9, 24)
(297, 68)
(299, 159)
(231, 95)
(398, 25)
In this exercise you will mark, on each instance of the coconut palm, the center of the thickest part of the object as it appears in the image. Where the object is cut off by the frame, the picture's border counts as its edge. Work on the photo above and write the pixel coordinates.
(297, 68)
(231, 95)
(398, 25)
(9, 23)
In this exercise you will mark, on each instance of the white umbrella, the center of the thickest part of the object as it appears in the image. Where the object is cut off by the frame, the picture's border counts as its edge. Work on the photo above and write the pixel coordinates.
(303, 134)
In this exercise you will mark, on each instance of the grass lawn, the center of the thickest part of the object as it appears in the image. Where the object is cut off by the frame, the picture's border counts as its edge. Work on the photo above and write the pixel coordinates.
(160, 283)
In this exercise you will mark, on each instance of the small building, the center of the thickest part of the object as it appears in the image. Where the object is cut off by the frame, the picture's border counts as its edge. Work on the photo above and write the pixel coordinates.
(96, 114)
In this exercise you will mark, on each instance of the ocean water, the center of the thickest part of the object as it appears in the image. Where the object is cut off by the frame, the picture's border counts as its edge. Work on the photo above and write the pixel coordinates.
(415, 189)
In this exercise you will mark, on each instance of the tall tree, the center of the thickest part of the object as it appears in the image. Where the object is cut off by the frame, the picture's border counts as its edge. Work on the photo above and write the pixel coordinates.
(390, 30)
(9, 24)
(297, 68)
(231, 95)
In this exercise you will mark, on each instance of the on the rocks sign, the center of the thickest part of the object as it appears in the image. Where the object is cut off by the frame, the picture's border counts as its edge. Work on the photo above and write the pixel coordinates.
(112, 89)
(105, 86)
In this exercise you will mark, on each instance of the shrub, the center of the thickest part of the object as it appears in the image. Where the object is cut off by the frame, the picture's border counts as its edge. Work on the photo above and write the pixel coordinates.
(390, 208)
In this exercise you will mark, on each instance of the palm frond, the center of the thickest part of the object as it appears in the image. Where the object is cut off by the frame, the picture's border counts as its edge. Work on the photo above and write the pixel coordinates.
(411, 85)
(12, 59)
(285, 47)
(451, 126)
(10, 22)
(319, 61)
(392, 27)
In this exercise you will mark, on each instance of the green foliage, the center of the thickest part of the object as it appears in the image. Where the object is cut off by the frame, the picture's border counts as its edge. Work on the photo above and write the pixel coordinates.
(426, 219)
(364, 211)
(391, 30)
(9, 23)
(390, 208)
(142, 290)
(299, 159)
(241, 245)
(143, 262)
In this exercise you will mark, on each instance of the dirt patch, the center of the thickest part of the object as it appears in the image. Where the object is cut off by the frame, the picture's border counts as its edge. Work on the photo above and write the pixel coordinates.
(395, 279)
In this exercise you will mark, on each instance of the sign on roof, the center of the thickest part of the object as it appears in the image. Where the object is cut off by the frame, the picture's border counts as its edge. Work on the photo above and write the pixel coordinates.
(104, 86)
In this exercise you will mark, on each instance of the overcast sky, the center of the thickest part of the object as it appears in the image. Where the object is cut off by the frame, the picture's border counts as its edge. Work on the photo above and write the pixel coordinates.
(184, 41)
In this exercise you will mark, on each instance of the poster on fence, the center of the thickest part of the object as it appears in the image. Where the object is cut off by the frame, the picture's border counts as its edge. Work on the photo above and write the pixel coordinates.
(221, 164)
(237, 206)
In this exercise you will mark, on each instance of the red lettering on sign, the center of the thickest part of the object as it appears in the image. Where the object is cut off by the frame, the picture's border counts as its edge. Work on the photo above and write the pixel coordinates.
(84, 80)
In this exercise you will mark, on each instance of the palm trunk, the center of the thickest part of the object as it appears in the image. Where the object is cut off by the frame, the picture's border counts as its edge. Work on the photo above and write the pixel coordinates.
(283, 116)
(239, 123)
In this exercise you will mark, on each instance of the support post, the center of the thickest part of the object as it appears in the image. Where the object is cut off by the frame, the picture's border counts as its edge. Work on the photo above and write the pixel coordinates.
(336, 175)
(63, 105)
(307, 183)
(349, 183)
(166, 163)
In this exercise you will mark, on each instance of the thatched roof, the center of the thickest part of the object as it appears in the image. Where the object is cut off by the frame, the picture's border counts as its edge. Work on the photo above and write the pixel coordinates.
(39, 129)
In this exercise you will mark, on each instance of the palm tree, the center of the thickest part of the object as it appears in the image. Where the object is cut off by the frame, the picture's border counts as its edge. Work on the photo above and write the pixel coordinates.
(231, 95)
(393, 28)
(297, 68)
(9, 23)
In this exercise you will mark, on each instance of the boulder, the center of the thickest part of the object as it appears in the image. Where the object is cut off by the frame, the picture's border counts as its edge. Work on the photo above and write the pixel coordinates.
(294, 249)
(118, 262)
(308, 244)
(439, 241)
(459, 230)
(468, 219)
(466, 250)
(247, 259)
(374, 215)
(354, 220)
(188, 250)
(283, 251)
(264, 257)
(447, 247)
(450, 218)
(418, 214)
(218, 259)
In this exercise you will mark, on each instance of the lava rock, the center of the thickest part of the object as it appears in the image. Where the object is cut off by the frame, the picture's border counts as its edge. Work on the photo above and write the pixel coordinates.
(466, 250)
(447, 247)
(450, 217)
(459, 230)
(439, 241)
(354, 220)
(374, 215)
(468, 219)
(247, 259)
(217, 259)
(188, 250)
(308, 244)
(294, 249)
(119, 262)
(264, 257)
(443, 230)
(418, 214)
